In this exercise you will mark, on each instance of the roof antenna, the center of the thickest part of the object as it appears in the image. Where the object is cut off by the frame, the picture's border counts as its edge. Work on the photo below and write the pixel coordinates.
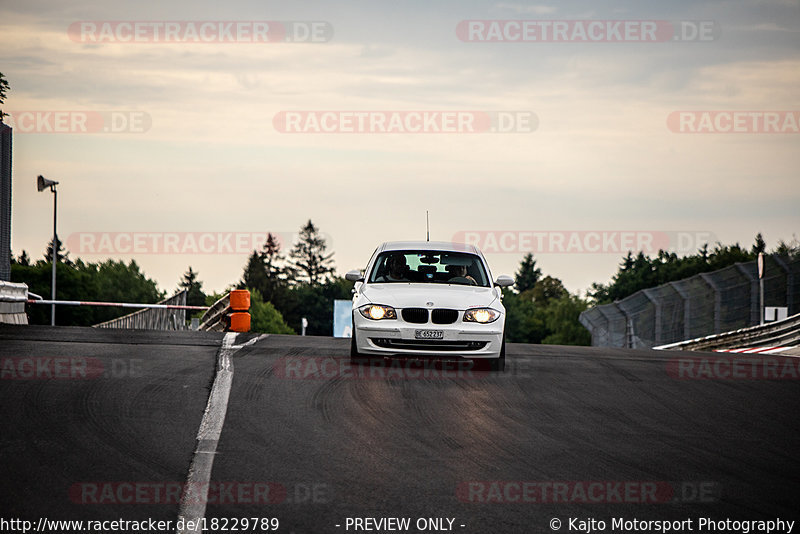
(428, 224)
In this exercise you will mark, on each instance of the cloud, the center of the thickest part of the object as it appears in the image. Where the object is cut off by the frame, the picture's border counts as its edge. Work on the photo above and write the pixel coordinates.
(527, 9)
(602, 156)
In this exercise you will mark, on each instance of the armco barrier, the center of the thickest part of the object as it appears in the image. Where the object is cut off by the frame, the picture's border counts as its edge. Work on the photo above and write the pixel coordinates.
(230, 313)
(785, 332)
(12, 303)
(153, 319)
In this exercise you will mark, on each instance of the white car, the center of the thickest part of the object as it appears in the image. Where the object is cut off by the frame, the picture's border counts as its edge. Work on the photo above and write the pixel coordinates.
(433, 299)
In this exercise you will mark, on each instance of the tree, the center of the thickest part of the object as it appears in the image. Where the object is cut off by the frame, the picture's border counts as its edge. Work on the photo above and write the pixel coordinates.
(62, 255)
(522, 323)
(212, 298)
(272, 256)
(562, 322)
(193, 287)
(264, 271)
(547, 289)
(308, 260)
(642, 271)
(274, 270)
(760, 245)
(255, 273)
(315, 303)
(4, 88)
(110, 281)
(790, 249)
(528, 274)
(265, 318)
(24, 259)
(117, 282)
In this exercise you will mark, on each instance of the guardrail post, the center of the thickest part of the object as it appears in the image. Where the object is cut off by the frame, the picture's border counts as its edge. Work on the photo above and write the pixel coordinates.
(599, 333)
(754, 312)
(630, 341)
(614, 339)
(717, 301)
(656, 302)
(789, 283)
(682, 293)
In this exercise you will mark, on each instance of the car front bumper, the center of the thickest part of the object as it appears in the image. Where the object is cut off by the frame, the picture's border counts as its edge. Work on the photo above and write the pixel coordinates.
(397, 337)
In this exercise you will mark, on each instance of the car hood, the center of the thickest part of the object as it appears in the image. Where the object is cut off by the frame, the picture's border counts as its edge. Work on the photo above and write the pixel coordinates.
(408, 295)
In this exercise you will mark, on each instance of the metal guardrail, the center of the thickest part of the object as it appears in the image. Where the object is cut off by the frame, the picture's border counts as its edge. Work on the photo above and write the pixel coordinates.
(213, 320)
(13, 297)
(153, 318)
(785, 332)
(228, 314)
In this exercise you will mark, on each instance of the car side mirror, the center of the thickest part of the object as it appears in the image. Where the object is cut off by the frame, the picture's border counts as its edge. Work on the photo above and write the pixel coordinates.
(354, 276)
(504, 281)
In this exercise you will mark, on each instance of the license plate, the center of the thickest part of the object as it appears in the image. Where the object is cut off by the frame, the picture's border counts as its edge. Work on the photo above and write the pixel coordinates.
(429, 334)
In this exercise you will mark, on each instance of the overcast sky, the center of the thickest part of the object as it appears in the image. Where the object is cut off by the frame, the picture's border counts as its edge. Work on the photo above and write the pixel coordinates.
(604, 162)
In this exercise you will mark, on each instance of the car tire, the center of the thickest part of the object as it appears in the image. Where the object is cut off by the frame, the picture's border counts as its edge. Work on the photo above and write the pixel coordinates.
(499, 364)
(355, 356)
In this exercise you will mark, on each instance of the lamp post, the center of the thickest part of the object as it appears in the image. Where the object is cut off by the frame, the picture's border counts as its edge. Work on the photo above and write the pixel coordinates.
(761, 286)
(43, 183)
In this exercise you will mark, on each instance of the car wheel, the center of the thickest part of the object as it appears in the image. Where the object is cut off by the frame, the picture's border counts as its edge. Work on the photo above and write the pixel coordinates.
(499, 364)
(355, 356)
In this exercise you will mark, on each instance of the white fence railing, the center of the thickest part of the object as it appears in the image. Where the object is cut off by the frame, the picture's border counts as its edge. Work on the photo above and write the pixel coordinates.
(153, 318)
(785, 332)
(12, 303)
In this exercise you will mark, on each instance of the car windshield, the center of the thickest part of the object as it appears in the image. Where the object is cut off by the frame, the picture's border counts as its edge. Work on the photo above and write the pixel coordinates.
(429, 266)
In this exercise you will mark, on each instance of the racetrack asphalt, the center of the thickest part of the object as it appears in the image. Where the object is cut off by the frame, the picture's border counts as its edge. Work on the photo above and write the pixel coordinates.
(564, 432)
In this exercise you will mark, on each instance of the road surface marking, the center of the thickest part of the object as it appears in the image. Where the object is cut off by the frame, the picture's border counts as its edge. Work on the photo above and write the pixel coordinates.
(195, 495)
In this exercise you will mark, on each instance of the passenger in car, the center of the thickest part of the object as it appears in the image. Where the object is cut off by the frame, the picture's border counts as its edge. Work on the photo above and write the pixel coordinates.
(398, 270)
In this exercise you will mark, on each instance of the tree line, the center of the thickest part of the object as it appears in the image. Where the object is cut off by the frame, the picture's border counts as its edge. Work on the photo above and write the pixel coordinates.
(284, 289)
(642, 271)
(287, 286)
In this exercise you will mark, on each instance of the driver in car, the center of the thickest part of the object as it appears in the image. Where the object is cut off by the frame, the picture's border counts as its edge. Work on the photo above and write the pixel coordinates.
(397, 269)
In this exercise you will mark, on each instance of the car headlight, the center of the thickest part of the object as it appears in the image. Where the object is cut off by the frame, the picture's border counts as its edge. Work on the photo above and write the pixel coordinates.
(377, 312)
(481, 315)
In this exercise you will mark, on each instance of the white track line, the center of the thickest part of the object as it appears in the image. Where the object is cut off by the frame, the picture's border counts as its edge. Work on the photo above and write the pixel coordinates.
(193, 502)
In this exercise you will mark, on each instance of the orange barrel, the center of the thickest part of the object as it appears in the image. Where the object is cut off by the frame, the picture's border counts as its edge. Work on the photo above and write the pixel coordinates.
(239, 322)
(240, 300)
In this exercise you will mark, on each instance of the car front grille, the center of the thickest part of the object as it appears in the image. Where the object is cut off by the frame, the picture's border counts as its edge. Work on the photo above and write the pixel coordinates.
(428, 344)
(415, 315)
(443, 316)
